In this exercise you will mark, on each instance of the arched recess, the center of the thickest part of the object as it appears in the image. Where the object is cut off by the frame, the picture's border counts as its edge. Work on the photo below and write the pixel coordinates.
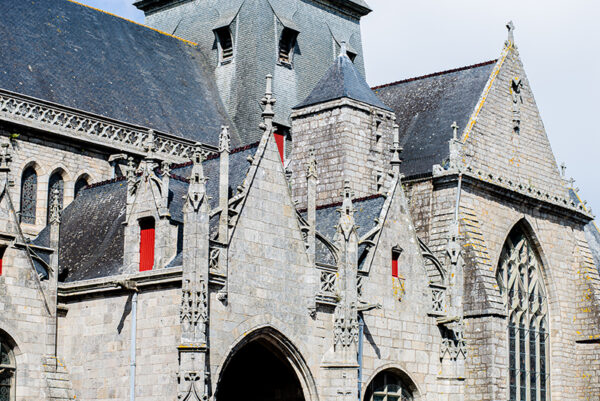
(520, 278)
(82, 181)
(8, 367)
(56, 182)
(29, 188)
(260, 360)
(391, 383)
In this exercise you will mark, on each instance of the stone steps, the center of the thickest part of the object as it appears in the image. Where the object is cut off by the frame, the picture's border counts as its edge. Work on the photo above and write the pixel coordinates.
(58, 380)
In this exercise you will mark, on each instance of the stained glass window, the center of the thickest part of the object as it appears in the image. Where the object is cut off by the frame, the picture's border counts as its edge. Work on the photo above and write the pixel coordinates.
(7, 373)
(521, 284)
(56, 182)
(388, 386)
(81, 183)
(28, 195)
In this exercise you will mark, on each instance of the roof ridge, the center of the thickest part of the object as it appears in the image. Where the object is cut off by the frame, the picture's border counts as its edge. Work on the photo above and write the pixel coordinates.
(435, 74)
(189, 42)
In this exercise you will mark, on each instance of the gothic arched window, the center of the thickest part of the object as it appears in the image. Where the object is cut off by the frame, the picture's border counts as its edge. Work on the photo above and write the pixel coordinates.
(7, 372)
(520, 281)
(56, 182)
(81, 183)
(388, 386)
(28, 195)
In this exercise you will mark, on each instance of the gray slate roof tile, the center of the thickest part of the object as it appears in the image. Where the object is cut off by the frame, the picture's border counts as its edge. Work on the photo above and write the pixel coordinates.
(425, 109)
(83, 58)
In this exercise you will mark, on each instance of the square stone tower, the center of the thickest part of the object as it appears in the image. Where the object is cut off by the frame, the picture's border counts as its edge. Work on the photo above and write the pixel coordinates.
(244, 40)
(350, 132)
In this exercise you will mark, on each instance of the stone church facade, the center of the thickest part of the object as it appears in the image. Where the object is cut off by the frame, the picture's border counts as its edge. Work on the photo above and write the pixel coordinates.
(174, 226)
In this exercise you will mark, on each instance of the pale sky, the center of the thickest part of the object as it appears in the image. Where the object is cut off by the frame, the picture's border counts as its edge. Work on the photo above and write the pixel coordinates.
(559, 42)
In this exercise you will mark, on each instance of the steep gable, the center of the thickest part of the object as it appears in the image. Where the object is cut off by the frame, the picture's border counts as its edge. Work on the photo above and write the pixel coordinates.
(506, 135)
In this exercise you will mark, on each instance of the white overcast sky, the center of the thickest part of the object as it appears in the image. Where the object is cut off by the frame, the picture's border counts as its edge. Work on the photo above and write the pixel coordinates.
(559, 42)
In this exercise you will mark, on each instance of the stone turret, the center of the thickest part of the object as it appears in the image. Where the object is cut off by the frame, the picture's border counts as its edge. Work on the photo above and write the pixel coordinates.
(350, 130)
(243, 40)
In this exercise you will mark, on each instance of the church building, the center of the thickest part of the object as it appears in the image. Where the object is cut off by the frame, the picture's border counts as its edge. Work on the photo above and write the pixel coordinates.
(216, 206)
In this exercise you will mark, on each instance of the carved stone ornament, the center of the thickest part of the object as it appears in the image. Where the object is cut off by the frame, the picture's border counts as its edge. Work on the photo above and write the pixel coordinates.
(311, 166)
(346, 224)
(197, 189)
(194, 308)
(54, 217)
(224, 139)
(345, 328)
(194, 380)
(454, 345)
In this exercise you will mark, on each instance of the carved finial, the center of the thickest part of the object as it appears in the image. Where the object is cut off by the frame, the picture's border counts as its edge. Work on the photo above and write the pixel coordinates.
(165, 167)
(343, 49)
(55, 207)
(197, 188)
(396, 150)
(224, 139)
(346, 224)
(268, 101)
(455, 128)
(311, 166)
(571, 182)
(563, 169)
(149, 145)
(511, 32)
(5, 157)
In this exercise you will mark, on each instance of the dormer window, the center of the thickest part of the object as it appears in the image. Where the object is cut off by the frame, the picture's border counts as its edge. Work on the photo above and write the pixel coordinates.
(287, 43)
(147, 239)
(225, 43)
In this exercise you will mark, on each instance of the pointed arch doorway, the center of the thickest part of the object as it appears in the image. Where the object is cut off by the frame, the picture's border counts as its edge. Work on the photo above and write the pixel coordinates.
(264, 367)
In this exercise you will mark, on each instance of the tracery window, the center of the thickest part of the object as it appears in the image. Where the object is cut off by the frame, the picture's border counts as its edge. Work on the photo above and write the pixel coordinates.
(521, 284)
(388, 386)
(7, 372)
(56, 182)
(28, 195)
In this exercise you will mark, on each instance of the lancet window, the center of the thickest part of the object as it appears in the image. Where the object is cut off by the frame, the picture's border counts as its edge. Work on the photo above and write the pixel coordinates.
(521, 284)
(80, 184)
(7, 372)
(28, 195)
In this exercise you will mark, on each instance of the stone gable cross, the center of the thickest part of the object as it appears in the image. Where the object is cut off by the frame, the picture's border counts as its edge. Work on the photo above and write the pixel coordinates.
(455, 127)
(511, 31)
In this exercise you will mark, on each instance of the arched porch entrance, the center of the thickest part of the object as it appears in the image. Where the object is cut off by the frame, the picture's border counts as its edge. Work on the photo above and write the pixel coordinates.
(265, 367)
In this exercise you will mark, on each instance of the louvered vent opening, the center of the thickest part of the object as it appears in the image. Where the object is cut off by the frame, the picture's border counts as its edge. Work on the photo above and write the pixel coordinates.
(286, 45)
(226, 43)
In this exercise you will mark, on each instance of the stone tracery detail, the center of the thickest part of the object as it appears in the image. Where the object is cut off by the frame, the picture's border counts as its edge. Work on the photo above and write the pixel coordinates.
(345, 326)
(521, 285)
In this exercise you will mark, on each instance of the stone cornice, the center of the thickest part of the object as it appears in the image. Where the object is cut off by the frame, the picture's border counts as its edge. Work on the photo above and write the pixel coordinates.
(348, 7)
(508, 189)
(336, 104)
(90, 128)
(168, 276)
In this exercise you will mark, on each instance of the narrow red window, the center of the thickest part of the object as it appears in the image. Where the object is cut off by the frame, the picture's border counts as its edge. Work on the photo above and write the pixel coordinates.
(146, 244)
(280, 141)
(1, 258)
(395, 256)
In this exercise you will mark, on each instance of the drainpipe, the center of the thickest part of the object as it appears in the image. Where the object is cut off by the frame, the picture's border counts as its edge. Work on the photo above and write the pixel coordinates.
(361, 331)
(133, 345)
(130, 285)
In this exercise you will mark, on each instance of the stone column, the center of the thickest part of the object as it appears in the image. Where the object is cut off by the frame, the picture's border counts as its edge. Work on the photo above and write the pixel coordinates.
(193, 370)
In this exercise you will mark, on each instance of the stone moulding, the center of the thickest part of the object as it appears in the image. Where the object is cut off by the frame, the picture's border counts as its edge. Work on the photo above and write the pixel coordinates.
(91, 128)
(509, 189)
(168, 276)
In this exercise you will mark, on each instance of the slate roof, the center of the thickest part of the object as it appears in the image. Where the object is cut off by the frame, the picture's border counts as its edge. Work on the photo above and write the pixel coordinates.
(342, 80)
(427, 106)
(367, 210)
(92, 232)
(83, 58)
